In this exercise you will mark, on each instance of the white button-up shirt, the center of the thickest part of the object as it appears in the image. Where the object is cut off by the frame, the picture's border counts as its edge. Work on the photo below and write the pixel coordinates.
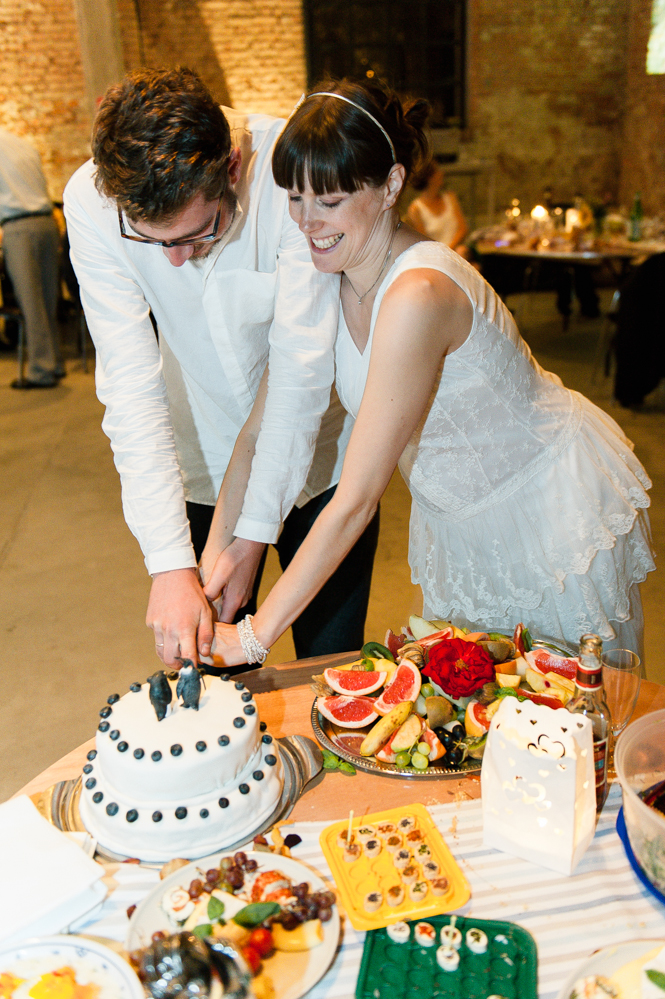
(174, 408)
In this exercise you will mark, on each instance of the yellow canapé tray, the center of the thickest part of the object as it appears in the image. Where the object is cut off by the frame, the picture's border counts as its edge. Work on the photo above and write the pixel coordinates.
(356, 879)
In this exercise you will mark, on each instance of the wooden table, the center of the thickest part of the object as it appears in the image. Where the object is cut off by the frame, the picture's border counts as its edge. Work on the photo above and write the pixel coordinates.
(284, 700)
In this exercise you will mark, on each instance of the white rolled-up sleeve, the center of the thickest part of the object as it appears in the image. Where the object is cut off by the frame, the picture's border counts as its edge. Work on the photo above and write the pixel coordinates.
(131, 387)
(301, 374)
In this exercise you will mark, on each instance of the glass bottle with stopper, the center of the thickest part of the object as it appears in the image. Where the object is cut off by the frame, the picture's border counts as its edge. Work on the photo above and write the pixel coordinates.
(589, 700)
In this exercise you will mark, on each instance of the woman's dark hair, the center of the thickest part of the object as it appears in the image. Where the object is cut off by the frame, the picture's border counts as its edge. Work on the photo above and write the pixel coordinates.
(421, 178)
(159, 139)
(334, 146)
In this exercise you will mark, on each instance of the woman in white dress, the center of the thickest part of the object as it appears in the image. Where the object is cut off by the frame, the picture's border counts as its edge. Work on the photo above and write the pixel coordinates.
(528, 503)
(437, 212)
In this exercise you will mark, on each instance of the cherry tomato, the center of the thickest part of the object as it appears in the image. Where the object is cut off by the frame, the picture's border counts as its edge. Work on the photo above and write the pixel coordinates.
(261, 940)
(253, 959)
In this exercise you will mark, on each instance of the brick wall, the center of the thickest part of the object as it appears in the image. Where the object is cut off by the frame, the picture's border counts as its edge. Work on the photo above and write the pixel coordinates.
(558, 94)
(643, 145)
(250, 53)
(546, 98)
(42, 90)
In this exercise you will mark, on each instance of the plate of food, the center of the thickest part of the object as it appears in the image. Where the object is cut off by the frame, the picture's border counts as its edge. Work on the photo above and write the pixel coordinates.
(65, 966)
(634, 969)
(421, 704)
(276, 911)
(393, 865)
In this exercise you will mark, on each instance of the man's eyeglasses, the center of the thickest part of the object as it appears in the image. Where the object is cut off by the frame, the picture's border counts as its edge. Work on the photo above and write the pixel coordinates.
(187, 241)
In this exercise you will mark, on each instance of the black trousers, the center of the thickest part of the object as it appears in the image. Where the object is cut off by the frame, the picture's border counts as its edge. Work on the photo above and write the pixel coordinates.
(335, 619)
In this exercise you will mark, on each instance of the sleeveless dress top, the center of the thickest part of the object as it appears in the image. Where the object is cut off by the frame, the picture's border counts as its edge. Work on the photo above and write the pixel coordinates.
(441, 226)
(527, 499)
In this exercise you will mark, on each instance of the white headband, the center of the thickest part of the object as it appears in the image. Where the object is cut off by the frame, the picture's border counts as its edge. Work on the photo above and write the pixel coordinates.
(326, 93)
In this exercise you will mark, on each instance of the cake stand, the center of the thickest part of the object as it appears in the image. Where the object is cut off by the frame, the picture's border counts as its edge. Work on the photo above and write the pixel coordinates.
(302, 761)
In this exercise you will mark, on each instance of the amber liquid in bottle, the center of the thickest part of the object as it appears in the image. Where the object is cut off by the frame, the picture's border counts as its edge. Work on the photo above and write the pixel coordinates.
(589, 700)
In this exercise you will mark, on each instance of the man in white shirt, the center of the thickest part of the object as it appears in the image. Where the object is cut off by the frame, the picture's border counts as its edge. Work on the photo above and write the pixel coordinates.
(227, 280)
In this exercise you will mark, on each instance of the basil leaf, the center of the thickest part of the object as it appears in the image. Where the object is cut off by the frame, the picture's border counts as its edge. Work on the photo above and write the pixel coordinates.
(215, 908)
(657, 977)
(203, 930)
(527, 639)
(346, 768)
(254, 913)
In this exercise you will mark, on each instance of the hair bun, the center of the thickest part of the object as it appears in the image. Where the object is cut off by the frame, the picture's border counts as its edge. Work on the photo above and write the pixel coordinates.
(417, 113)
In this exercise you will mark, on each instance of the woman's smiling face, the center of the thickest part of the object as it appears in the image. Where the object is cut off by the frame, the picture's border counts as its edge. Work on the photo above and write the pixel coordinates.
(340, 226)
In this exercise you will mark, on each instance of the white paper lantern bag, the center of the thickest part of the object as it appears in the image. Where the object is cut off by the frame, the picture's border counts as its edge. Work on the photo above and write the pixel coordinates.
(538, 785)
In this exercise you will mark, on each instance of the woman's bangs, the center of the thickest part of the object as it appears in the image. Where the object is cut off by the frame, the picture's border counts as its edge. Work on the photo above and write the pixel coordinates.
(305, 156)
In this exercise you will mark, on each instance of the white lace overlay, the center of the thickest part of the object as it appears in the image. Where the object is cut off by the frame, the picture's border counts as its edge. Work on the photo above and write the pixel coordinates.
(528, 499)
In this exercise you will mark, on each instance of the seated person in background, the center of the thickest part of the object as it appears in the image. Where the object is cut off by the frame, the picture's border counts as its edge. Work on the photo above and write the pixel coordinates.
(437, 212)
(178, 220)
(31, 247)
(527, 501)
(639, 344)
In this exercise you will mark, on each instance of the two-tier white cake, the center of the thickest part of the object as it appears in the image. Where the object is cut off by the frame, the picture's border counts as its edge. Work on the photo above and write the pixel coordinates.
(185, 786)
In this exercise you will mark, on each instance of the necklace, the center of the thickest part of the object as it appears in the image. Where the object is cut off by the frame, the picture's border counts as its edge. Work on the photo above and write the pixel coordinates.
(361, 298)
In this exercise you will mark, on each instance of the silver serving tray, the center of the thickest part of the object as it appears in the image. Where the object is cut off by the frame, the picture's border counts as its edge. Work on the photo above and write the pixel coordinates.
(327, 732)
(302, 761)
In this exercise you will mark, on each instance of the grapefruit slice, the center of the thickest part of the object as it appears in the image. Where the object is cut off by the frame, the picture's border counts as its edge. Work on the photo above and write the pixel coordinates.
(438, 636)
(476, 721)
(549, 700)
(348, 712)
(404, 686)
(436, 749)
(545, 662)
(354, 682)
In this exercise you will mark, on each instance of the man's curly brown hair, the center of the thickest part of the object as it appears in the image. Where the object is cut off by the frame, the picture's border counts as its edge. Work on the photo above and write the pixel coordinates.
(158, 140)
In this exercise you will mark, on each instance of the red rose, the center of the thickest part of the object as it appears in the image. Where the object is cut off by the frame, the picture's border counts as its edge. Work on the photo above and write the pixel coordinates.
(458, 667)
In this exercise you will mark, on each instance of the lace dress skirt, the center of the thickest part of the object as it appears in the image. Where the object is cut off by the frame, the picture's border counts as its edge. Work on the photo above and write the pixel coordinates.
(564, 553)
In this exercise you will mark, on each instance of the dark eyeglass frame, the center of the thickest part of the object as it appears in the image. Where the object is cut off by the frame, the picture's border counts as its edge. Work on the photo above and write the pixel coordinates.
(168, 243)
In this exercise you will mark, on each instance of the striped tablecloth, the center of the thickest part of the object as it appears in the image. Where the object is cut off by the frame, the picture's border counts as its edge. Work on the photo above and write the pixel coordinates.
(603, 903)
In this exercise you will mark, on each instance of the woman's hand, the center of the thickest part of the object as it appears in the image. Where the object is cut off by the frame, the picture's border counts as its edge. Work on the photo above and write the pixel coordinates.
(230, 581)
(226, 647)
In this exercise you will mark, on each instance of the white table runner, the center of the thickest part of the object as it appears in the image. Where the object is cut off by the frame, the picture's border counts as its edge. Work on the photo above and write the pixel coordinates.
(603, 903)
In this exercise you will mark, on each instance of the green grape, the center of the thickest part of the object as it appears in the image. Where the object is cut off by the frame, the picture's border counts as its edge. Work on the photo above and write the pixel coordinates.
(427, 690)
(402, 759)
(423, 749)
(419, 761)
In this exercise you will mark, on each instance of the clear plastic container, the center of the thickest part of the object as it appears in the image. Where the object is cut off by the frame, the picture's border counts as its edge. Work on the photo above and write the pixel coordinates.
(640, 765)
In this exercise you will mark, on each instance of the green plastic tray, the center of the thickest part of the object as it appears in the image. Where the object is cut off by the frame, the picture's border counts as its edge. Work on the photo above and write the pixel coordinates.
(398, 971)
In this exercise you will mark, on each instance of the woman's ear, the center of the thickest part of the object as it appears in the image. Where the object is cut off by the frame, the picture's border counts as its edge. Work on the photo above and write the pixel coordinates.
(394, 184)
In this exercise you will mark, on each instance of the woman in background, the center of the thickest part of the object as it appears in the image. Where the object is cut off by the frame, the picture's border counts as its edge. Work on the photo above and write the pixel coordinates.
(528, 503)
(437, 212)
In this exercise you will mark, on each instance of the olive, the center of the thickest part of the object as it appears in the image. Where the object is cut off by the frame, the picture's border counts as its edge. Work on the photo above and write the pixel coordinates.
(301, 890)
(325, 914)
(159, 935)
(225, 863)
(240, 859)
(289, 920)
(250, 864)
(212, 875)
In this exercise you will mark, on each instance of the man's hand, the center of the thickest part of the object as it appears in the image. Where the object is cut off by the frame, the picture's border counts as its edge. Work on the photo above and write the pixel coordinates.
(179, 615)
(230, 581)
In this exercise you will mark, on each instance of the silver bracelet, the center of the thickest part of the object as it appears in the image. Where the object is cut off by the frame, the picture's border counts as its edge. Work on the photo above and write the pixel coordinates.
(254, 651)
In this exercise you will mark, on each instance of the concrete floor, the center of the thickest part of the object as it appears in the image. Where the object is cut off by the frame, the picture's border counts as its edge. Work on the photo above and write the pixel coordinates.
(73, 588)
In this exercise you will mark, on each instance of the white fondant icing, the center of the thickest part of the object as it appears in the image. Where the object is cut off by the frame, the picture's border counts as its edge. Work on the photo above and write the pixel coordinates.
(183, 786)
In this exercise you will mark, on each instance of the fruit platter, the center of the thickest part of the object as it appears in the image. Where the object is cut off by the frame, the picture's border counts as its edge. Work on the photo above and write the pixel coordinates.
(420, 705)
